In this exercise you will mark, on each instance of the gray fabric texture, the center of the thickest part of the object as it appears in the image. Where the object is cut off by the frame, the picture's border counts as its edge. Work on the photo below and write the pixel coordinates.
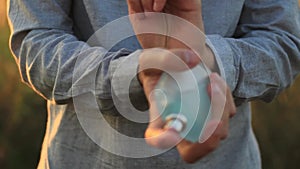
(257, 42)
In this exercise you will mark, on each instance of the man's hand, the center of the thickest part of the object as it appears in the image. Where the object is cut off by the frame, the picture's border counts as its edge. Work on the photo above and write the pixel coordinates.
(189, 29)
(188, 10)
(156, 135)
(215, 131)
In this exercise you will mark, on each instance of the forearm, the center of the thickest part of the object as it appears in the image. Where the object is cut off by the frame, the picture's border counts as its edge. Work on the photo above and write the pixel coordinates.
(264, 56)
(50, 57)
(59, 67)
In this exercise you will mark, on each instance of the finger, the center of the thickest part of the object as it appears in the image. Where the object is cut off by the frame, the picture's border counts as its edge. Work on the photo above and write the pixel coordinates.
(218, 97)
(191, 152)
(215, 129)
(135, 6)
(156, 135)
(222, 106)
(230, 106)
(162, 138)
(217, 92)
(159, 5)
(147, 5)
(221, 131)
(168, 60)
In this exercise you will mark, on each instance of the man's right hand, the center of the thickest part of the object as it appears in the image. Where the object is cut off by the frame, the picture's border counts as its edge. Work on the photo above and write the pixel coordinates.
(156, 135)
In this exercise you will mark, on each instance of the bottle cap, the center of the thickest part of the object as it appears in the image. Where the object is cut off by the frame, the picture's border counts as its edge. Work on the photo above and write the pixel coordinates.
(176, 122)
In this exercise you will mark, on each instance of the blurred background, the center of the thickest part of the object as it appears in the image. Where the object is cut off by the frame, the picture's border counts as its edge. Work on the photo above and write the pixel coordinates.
(23, 119)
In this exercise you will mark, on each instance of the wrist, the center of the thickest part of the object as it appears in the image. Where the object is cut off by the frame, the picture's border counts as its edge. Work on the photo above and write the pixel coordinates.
(209, 59)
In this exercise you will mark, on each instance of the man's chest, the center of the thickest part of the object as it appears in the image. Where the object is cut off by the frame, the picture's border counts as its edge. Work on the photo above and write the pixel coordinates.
(219, 16)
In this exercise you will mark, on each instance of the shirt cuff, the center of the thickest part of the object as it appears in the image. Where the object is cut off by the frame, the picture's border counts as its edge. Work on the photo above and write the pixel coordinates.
(124, 81)
(225, 59)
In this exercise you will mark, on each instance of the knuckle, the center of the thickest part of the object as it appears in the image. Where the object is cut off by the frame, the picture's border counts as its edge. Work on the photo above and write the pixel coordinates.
(188, 159)
(212, 146)
(217, 135)
(225, 134)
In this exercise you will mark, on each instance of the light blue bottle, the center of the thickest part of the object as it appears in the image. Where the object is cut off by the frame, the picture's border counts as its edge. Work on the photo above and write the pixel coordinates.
(183, 101)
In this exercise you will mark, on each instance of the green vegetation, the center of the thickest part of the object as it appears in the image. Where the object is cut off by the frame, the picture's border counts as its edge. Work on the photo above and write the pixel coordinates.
(22, 114)
(23, 118)
(277, 129)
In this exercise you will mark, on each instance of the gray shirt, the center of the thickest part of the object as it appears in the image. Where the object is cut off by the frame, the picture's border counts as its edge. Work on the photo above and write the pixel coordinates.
(257, 42)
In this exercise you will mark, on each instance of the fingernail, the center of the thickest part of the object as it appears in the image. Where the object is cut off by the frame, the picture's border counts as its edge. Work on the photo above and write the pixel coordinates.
(187, 57)
(155, 6)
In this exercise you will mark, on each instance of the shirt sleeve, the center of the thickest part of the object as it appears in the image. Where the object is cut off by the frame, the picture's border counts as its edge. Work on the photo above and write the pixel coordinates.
(53, 61)
(263, 56)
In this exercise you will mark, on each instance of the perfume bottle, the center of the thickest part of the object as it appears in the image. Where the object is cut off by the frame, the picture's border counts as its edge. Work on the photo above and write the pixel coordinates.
(183, 102)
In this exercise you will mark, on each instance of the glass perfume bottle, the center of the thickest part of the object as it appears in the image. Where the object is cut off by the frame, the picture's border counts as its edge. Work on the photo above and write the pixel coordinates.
(183, 102)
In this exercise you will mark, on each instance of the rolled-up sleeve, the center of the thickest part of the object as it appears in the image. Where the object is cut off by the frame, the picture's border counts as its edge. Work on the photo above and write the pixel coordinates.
(52, 60)
(263, 57)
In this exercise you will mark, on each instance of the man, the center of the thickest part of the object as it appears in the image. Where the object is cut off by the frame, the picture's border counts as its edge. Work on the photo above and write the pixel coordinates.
(257, 42)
